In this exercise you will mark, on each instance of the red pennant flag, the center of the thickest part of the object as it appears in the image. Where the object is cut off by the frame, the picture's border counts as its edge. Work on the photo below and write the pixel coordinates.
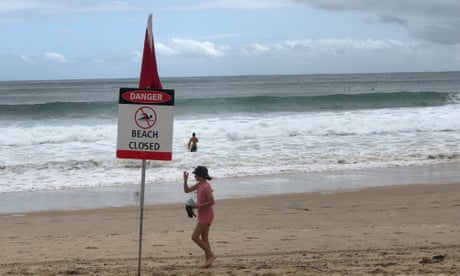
(149, 72)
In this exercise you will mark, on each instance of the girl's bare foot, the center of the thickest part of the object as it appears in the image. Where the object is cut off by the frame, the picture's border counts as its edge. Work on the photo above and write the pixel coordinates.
(209, 262)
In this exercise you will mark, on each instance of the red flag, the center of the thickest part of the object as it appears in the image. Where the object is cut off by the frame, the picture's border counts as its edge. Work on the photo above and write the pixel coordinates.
(149, 71)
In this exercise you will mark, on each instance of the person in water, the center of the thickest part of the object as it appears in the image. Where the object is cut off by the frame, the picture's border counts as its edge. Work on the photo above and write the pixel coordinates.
(204, 204)
(192, 143)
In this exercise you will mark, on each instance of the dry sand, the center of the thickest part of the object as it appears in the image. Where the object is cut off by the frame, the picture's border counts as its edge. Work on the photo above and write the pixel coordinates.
(385, 230)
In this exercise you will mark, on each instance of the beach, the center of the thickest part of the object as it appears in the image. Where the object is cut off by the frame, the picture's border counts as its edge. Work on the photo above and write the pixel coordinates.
(319, 174)
(377, 230)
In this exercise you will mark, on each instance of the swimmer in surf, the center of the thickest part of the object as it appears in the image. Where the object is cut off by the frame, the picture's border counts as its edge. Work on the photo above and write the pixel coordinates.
(192, 143)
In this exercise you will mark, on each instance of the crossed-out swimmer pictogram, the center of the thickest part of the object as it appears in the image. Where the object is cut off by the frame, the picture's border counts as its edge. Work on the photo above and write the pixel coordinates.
(145, 117)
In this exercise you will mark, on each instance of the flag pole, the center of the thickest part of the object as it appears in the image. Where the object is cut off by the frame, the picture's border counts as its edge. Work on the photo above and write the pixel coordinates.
(141, 220)
(148, 79)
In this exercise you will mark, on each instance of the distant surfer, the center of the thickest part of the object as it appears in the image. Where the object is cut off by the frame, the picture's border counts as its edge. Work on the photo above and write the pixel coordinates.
(192, 143)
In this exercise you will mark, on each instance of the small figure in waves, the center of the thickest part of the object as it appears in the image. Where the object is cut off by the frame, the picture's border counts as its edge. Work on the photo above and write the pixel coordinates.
(192, 143)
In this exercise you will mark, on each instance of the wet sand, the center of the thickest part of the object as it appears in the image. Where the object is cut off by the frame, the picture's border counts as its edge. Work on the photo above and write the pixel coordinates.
(381, 230)
(225, 188)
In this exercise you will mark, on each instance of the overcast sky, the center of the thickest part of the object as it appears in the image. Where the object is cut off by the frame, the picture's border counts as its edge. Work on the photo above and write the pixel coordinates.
(59, 39)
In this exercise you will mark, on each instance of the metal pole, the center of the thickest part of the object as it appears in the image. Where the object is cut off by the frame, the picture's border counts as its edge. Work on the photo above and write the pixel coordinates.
(141, 221)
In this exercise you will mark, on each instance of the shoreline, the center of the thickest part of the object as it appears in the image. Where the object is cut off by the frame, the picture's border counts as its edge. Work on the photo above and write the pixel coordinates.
(382, 230)
(227, 188)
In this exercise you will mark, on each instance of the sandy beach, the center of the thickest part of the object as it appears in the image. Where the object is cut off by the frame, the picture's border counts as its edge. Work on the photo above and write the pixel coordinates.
(381, 230)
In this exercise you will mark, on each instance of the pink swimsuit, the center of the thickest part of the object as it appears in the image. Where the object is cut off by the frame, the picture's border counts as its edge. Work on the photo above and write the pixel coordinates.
(206, 214)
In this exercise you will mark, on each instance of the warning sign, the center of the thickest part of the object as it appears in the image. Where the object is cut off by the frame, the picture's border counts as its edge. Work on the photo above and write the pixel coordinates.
(145, 124)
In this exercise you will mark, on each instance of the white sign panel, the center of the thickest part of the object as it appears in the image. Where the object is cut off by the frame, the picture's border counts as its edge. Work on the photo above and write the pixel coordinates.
(145, 124)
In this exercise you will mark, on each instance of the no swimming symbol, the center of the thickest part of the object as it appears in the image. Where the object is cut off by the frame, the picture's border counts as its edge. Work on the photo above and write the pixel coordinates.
(145, 117)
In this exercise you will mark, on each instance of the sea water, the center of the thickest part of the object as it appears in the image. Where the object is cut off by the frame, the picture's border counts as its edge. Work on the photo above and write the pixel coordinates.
(61, 134)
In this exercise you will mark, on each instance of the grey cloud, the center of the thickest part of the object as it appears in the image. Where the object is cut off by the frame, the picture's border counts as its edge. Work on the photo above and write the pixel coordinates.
(434, 21)
(392, 19)
(438, 34)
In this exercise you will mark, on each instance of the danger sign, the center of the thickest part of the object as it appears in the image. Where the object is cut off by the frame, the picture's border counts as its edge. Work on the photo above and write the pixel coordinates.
(145, 124)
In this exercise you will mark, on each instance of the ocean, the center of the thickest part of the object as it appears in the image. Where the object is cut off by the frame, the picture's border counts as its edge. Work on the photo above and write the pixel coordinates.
(61, 134)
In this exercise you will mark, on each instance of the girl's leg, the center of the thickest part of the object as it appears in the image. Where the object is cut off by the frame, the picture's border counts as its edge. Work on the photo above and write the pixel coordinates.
(209, 257)
(200, 237)
(201, 228)
(205, 238)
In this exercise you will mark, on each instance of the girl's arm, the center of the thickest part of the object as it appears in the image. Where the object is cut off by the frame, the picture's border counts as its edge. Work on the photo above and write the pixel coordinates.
(188, 189)
(207, 203)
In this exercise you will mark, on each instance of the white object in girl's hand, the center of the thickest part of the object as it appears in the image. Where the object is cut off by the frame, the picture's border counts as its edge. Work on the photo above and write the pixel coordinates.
(190, 202)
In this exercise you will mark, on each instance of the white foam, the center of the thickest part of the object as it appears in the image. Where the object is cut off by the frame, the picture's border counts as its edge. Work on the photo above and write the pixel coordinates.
(82, 154)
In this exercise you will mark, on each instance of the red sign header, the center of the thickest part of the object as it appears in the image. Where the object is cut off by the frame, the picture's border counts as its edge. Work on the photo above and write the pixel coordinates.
(146, 96)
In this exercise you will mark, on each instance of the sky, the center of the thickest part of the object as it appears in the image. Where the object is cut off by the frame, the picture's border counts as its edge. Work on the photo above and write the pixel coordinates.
(91, 39)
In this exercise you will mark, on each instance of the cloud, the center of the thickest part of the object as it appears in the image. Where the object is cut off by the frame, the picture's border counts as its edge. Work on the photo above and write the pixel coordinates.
(308, 56)
(334, 45)
(346, 55)
(434, 21)
(25, 58)
(136, 57)
(189, 47)
(165, 50)
(20, 5)
(235, 4)
(112, 6)
(439, 34)
(325, 46)
(244, 4)
(53, 56)
(49, 6)
(255, 50)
